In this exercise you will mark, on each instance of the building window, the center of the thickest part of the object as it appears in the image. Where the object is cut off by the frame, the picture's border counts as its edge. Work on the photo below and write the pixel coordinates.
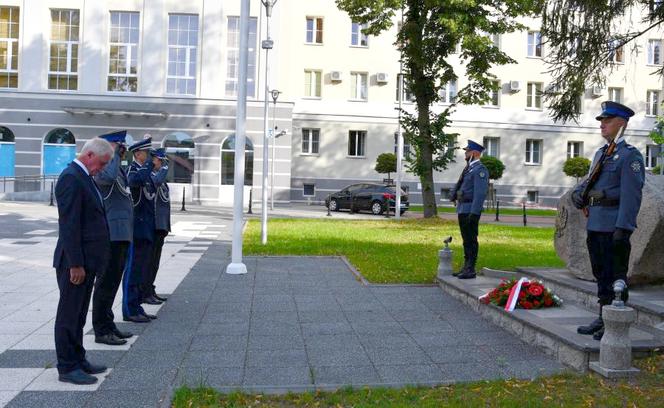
(654, 52)
(63, 59)
(491, 147)
(533, 197)
(574, 149)
(617, 53)
(357, 37)
(356, 143)
(534, 95)
(59, 149)
(310, 141)
(123, 55)
(406, 95)
(7, 152)
(180, 151)
(652, 152)
(233, 56)
(652, 103)
(308, 190)
(448, 92)
(9, 21)
(358, 86)
(228, 162)
(494, 96)
(182, 54)
(495, 39)
(312, 83)
(445, 194)
(314, 30)
(533, 151)
(406, 147)
(616, 94)
(534, 44)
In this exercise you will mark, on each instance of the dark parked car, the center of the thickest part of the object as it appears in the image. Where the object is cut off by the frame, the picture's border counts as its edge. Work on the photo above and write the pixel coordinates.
(366, 196)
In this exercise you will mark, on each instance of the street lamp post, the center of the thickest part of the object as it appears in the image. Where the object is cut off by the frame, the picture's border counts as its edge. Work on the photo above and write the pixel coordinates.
(397, 193)
(267, 45)
(275, 96)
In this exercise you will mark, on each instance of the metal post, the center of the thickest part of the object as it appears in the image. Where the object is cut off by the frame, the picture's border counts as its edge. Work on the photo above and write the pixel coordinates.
(251, 198)
(236, 266)
(329, 214)
(275, 95)
(51, 198)
(497, 210)
(266, 45)
(397, 198)
(525, 220)
(184, 194)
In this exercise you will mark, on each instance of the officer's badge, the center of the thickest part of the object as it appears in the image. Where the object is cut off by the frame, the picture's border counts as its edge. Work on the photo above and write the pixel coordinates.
(636, 166)
(616, 157)
(482, 174)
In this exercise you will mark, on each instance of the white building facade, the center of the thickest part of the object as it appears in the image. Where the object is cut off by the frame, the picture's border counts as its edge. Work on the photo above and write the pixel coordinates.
(73, 69)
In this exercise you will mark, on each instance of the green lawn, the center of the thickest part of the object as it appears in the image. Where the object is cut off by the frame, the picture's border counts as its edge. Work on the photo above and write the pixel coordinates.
(566, 390)
(403, 251)
(536, 212)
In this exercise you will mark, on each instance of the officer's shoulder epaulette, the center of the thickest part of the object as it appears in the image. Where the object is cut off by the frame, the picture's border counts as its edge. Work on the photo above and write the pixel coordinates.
(629, 146)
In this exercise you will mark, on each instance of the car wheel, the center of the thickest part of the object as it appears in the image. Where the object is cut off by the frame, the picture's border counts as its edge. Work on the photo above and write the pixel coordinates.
(333, 205)
(377, 208)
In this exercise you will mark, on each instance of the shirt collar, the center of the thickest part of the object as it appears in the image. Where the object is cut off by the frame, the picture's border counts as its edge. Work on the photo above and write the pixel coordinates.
(618, 141)
(81, 165)
(472, 162)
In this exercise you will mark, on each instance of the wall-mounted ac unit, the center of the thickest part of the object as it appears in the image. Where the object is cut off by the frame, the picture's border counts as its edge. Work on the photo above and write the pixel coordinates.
(515, 86)
(381, 78)
(598, 90)
(335, 76)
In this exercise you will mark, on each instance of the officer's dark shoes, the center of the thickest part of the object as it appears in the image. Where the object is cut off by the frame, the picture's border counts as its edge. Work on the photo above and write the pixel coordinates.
(90, 368)
(123, 335)
(150, 316)
(459, 272)
(78, 377)
(598, 336)
(111, 339)
(136, 319)
(151, 300)
(592, 328)
(467, 274)
(159, 298)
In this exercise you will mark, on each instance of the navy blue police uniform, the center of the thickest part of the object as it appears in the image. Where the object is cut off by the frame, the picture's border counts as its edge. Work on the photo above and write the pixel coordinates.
(469, 194)
(114, 188)
(162, 225)
(143, 194)
(613, 204)
(83, 241)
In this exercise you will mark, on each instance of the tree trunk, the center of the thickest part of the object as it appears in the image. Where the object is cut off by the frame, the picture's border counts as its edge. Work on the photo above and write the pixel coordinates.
(426, 178)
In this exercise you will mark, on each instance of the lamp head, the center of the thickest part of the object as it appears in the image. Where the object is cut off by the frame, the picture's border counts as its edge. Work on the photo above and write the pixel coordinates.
(275, 94)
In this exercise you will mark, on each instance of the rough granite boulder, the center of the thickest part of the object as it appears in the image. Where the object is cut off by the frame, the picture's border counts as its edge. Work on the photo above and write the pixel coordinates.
(647, 257)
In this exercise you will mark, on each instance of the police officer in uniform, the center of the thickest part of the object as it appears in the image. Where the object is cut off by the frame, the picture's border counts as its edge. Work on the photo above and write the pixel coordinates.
(468, 195)
(162, 223)
(114, 188)
(143, 194)
(611, 201)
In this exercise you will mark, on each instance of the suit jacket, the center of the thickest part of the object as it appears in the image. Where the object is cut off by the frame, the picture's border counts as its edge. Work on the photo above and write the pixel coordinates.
(114, 187)
(143, 193)
(83, 238)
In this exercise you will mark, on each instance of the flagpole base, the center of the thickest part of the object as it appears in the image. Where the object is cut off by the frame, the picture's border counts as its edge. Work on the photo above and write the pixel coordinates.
(236, 269)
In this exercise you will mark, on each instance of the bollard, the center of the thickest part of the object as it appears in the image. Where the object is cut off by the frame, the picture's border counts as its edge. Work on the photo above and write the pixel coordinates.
(445, 260)
(329, 214)
(497, 210)
(251, 195)
(615, 349)
(525, 221)
(183, 195)
(51, 198)
(387, 208)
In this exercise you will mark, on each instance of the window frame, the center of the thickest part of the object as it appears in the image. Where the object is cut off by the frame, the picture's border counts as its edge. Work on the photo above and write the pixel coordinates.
(311, 134)
(534, 92)
(654, 48)
(533, 48)
(359, 81)
(615, 89)
(650, 158)
(445, 94)
(652, 104)
(356, 32)
(233, 56)
(358, 146)
(13, 45)
(69, 44)
(188, 48)
(130, 47)
(316, 31)
(488, 141)
(530, 152)
(313, 185)
(494, 101)
(573, 144)
(313, 85)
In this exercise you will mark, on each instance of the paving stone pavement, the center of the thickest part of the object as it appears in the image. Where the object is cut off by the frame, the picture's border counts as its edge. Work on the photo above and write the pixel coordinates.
(290, 323)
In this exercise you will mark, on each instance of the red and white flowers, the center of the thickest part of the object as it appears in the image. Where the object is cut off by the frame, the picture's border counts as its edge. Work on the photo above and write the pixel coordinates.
(522, 293)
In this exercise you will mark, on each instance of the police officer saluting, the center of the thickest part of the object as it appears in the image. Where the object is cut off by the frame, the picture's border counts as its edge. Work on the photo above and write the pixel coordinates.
(610, 197)
(468, 195)
(162, 224)
(114, 188)
(143, 194)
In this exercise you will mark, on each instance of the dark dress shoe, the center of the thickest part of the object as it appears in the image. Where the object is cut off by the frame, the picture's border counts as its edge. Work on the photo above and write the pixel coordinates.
(136, 319)
(592, 328)
(159, 298)
(90, 368)
(111, 339)
(459, 272)
(467, 274)
(598, 336)
(149, 316)
(78, 377)
(122, 335)
(151, 300)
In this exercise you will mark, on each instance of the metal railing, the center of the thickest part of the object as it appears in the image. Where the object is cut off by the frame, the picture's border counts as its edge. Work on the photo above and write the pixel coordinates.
(31, 183)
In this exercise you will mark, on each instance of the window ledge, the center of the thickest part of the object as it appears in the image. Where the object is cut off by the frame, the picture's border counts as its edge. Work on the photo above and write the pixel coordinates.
(358, 46)
(313, 43)
(535, 109)
(533, 57)
(532, 164)
(310, 154)
(356, 157)
(654, 65)
(491, 106)
(358, 100)
(651, 116)
(312, 98)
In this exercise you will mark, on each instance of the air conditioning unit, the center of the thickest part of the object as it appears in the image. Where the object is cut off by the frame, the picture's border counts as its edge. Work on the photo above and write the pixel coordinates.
(381, 78)
(598, 90)
(515, 86)
(335, 76)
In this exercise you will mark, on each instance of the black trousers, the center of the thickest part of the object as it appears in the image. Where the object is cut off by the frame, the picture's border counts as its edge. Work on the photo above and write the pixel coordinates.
(609, 259)
(70, 319)
(468, 224)
(148, 287)
(140, 265)
(106, 287)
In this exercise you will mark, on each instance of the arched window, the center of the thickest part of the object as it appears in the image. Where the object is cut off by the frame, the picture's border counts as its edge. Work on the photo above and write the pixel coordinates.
(58, 151)
(228, 161)
(180, 151)
(7, 152)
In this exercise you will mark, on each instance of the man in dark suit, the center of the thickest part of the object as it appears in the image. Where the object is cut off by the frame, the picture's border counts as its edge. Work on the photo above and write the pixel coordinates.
(82, 251)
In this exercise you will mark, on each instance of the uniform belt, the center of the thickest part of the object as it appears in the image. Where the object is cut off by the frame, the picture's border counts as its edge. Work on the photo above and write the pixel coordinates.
(604, 202)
